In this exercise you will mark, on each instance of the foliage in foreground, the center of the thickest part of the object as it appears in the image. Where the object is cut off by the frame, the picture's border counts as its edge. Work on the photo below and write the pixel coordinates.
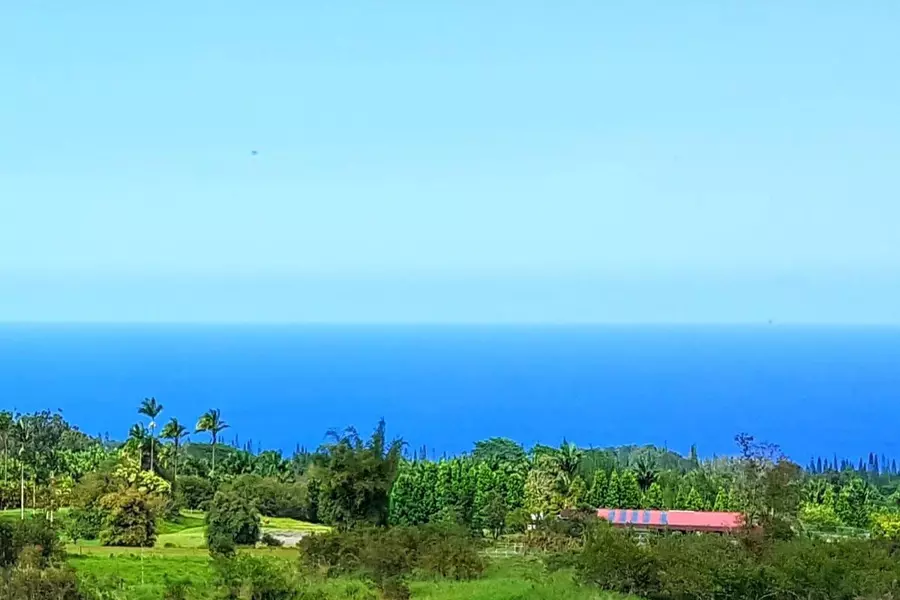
(689, 567)
(388, 557)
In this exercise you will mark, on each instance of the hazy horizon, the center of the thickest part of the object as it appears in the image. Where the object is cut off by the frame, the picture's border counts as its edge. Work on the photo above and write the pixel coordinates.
(500, 161)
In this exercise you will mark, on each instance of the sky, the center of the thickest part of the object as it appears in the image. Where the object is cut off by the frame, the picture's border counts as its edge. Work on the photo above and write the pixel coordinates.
(477, 160)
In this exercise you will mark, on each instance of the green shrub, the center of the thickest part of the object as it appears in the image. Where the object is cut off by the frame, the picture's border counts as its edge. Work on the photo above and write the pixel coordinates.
(37, 532)
(129, 519)
(40, 584)
(8, 551)
(271, 541)
(233, 516)
(272, 497)
(613, 560)
(257, 577)
(82, 524)
(388, 556)
(819, 516)
(221, 546)
(194, 492)
(687, 567)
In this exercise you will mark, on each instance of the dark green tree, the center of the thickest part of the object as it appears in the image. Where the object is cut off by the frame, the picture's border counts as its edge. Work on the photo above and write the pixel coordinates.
(355, 477)
(597, 494)
(613, 491)
(232, 516)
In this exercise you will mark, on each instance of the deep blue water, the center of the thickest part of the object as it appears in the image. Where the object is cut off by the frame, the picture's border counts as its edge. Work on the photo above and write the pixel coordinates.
(812, 390)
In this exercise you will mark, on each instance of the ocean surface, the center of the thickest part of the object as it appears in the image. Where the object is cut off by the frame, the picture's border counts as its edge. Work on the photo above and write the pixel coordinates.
(811, 390)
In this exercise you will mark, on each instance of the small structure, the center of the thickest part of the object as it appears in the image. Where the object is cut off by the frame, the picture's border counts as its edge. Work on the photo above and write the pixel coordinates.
(673, 520)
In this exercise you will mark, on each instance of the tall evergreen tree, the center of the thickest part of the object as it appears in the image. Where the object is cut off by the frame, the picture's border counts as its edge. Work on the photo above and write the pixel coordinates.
(721, 503)
(597, 494)
(819, 466)
(694, 500)
(613, 492)
(653, 498)
(629, 490)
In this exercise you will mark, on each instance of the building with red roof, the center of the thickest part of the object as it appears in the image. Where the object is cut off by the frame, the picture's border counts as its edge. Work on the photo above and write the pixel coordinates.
(673, 520)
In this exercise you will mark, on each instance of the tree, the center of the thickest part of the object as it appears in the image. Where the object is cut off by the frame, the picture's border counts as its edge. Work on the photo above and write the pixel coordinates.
(403, 498)
(576, 497)
(567, 460)
(694, 500)
(7, 423)
(819, 516)
(129, 518)
(645, 471)
(721, 503)
(597, 494)
(852, 505)
(139, 442)
(211, 422)
(232, 516)
(653, 498)
(629, 490)
(768, 486)
(24, 435)
(541, 489)
(151, 409)
(355, 477)
(613, 495)
(175, 431)
(496, 451)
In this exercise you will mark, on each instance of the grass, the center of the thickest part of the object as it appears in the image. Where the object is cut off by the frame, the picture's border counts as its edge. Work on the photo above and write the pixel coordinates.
(179, 555)
(185, 536)
(509, 579)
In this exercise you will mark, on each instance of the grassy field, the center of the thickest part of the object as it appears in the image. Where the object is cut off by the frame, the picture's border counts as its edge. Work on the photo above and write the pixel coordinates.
(179, 555)
(508, 579)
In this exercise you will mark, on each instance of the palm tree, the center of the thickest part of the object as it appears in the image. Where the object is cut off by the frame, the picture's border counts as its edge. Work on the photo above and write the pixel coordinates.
(567, 460)
(151, 408)
(176, 432)
(7, 423)
(212, 423)
(138, 440)
(23, 433)
(645, 470)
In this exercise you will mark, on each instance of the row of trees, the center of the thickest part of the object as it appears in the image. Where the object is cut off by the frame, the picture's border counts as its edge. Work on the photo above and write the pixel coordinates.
(349, 480)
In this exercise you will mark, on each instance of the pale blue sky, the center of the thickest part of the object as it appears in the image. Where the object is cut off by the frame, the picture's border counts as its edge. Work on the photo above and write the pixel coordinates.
(450, 161)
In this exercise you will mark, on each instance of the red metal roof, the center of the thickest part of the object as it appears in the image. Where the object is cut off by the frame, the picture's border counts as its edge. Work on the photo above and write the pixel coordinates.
(684, 520)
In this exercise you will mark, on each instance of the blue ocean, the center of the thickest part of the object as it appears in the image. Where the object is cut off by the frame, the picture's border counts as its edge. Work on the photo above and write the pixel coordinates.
(813, 390)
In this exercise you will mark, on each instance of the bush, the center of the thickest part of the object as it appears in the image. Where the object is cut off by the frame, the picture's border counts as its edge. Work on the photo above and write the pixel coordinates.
(613, 560)
(272, 497)
(232, 516)
(8, 551)
(194, 492)
(82, 524)
(271, 541)
(819, 516)
(129, 520)
(388, 556)
(686, 567)
(38, 533)
(220, 546)
(34, 584)
(886, 525)
(257, 577)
